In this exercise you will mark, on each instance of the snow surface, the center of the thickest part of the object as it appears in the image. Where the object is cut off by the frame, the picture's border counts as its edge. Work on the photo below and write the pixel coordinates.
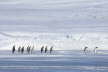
(60, 41)
(49, 22)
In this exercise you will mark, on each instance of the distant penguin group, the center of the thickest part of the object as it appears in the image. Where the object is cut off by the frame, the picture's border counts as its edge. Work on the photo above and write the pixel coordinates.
(30, 49)
(94, 50)
(22, 49)
(45, 49)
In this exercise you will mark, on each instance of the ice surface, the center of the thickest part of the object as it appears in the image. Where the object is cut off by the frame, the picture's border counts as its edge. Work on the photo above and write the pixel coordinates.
(58, 61)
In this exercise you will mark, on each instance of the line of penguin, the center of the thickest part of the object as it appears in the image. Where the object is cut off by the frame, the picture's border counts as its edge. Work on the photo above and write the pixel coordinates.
(44, 49)
(30, 49)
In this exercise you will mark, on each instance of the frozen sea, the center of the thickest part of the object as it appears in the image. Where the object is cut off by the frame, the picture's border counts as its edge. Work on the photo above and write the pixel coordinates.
(58, 61)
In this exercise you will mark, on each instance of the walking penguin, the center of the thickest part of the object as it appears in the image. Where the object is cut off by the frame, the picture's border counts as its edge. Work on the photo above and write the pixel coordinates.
(95, 49)
(85, 49)
(22, 49)
(19, 49)
(28, 49)
(42, 48)
(13, 49)
(45, 49)
(51, 49)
